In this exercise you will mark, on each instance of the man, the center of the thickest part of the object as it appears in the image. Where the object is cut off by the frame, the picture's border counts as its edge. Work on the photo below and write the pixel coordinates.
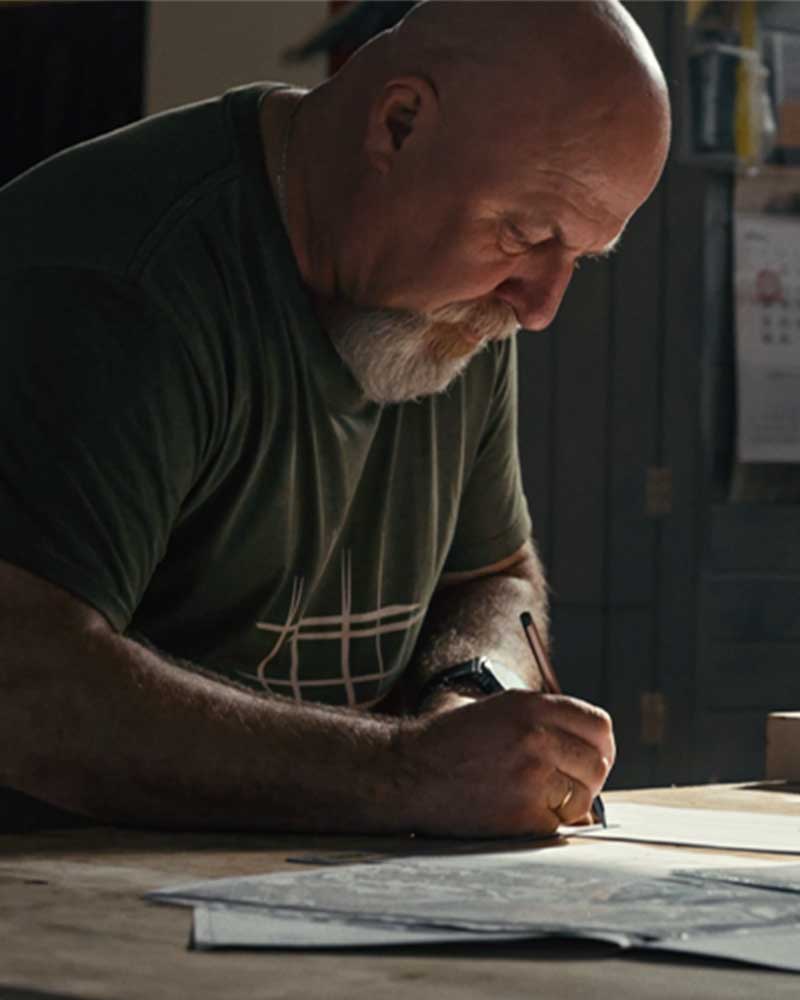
(259, 423)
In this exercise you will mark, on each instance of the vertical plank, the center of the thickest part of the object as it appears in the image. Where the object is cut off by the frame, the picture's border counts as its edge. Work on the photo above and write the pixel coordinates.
(578, 650)
(630, 642)
(535, 432)
(679, 534)
(718, 406)
(732, 745)
(579, 470)
(634, 409)
(580, 439)
(636, 338)
(636, 342)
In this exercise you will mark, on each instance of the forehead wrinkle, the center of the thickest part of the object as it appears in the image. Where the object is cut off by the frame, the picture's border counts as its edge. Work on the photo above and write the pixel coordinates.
(561, 175)
(594, 213)
(587, 190)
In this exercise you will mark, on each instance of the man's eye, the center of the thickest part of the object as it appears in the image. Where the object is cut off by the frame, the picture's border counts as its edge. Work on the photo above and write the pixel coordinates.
(513, 242)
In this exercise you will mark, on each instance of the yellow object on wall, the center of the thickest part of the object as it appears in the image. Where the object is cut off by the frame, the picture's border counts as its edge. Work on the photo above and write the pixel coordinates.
(747, 123)
(694, 8)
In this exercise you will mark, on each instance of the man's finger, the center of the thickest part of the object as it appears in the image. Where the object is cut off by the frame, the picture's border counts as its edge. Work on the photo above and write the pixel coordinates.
(589, 723)
(575, 801)
(558, 750)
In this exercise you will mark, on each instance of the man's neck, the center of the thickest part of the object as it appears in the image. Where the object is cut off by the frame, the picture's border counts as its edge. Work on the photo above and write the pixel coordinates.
(279, 111)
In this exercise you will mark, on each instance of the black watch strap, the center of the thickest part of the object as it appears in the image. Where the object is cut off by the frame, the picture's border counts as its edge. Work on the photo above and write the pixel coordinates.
(474, 673)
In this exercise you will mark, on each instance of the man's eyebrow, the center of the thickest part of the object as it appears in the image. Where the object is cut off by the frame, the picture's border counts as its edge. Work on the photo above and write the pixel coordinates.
(609, 248)
(606, 251)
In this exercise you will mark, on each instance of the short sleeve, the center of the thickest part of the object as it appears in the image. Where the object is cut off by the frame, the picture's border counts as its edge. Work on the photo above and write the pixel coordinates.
(493, 520)
(103, 425)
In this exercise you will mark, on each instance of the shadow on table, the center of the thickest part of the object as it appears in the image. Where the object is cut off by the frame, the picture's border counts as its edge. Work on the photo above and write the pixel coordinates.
(30, 826)
(20, 813)
(18, 993)
(786, 787)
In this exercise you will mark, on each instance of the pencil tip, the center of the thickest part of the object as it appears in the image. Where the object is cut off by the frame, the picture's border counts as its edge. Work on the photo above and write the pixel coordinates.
(525, 618)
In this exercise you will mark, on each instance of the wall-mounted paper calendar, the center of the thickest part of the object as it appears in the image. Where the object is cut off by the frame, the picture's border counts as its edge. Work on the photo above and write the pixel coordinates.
(767, 288)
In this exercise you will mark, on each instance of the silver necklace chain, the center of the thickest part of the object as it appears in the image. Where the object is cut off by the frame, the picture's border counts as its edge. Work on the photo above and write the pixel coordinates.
(283, 165)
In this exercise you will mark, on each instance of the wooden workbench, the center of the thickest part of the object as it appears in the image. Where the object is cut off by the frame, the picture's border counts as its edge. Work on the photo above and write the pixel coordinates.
(73, 923)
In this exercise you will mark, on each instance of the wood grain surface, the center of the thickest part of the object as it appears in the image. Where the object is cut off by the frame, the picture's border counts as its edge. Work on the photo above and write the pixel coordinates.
(73, 923)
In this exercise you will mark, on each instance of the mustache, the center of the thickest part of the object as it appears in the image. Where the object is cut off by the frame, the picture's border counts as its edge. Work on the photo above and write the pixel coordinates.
(458, 329)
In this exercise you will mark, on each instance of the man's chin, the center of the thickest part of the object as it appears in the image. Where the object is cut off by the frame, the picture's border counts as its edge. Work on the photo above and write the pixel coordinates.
(408, 382)
(397, 357)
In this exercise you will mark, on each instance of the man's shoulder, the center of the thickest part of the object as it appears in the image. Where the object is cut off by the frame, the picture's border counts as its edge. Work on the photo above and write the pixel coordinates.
(98, 204)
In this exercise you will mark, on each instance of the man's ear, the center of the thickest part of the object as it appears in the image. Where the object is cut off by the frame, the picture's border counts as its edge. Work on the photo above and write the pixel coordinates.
(406, 107)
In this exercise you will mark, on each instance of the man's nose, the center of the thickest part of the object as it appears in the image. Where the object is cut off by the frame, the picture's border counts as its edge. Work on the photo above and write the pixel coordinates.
(536, 288)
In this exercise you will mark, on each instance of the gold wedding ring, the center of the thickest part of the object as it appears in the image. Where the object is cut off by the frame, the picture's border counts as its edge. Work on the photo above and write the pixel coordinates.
(567, 796)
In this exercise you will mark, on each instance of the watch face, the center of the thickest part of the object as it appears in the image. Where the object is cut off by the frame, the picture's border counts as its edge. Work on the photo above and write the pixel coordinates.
(507, 678)
(478, 673)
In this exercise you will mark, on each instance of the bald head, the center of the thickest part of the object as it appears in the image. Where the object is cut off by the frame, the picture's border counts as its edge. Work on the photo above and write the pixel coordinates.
(568, 37)
(550, 71)
(480, 150)
(572, 44)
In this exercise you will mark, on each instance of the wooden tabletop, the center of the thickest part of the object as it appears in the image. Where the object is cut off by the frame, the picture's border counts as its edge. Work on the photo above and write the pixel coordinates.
(73, 923)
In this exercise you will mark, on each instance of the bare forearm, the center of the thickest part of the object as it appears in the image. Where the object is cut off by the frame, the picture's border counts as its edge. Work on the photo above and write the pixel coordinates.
(115, 732)
(481, 618)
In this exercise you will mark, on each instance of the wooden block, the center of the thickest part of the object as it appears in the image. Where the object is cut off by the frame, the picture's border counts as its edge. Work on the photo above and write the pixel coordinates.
(789, 124)
(783, 746)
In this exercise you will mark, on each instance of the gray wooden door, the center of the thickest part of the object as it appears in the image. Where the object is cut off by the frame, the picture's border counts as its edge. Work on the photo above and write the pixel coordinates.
(592, 425)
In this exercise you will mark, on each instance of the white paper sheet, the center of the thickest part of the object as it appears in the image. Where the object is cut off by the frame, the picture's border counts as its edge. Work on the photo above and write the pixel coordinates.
(777, 948)
(221, 926)
(215, 927)
(767, 289)
(734, 831)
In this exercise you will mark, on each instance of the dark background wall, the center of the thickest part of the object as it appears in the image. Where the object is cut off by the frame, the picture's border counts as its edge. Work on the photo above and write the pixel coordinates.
(676, 592)
(68, 71)
(596, 417)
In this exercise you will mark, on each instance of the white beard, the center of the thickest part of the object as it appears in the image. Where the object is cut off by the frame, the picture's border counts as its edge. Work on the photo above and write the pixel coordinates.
(397, 356)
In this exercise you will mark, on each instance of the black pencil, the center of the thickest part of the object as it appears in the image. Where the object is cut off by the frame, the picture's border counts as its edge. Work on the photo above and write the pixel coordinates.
(551, 685)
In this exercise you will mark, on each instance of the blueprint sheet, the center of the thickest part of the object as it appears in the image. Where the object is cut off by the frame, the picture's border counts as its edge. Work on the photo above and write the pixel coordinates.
(607, 891)
(786, 878)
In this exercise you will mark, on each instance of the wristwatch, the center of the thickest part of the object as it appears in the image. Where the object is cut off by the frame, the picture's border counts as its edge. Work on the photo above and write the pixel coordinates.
(477, 674)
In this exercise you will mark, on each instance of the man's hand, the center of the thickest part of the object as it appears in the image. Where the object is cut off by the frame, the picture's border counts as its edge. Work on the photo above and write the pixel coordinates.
(502, 766)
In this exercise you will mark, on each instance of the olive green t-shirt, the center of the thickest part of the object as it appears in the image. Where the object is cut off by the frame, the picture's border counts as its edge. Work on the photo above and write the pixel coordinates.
(181, 445)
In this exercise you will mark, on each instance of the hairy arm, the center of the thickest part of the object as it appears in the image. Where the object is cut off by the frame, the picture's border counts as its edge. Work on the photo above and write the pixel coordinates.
(96, 723)
(477, 614)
